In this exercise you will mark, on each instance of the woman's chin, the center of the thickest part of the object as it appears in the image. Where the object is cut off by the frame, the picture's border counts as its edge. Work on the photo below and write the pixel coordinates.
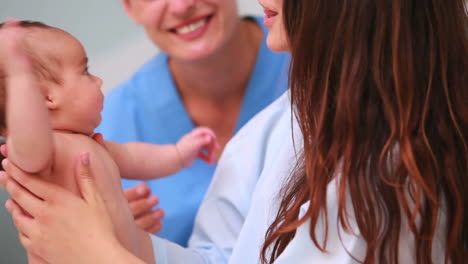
(277, 44)
(197, 53)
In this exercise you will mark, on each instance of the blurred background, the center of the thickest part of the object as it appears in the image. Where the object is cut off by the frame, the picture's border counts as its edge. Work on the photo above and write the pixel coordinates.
(115, 46)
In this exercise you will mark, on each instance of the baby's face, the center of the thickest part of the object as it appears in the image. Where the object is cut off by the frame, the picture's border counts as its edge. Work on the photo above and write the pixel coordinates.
(78, 94)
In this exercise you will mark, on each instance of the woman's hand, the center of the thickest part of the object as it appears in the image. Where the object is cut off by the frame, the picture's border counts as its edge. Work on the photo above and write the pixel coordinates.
(141, 204)
(57, 225)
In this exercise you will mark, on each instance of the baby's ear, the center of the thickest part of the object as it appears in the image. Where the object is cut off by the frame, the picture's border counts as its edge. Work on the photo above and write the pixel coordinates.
(52, 98)
(51, 102)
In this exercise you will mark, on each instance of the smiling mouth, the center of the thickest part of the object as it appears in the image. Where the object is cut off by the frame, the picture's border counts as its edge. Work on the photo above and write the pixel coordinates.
(191, 26)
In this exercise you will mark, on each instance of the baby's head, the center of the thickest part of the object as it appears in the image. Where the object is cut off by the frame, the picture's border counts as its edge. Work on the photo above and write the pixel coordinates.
(59, 62)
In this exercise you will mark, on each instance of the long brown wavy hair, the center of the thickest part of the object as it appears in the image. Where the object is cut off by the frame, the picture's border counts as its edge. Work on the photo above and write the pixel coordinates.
(380, 91)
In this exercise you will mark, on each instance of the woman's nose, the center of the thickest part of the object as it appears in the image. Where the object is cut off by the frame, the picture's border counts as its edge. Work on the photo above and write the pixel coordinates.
(182, 7)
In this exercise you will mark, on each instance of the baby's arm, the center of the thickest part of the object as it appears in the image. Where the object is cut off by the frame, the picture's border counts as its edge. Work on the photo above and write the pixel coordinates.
(145, 161)
(29, 133)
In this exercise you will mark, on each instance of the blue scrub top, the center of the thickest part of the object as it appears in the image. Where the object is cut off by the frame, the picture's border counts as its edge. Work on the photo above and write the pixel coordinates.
(148, 108)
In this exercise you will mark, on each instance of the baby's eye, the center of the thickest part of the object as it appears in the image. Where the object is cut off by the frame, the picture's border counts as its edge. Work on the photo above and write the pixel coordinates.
(86, 71)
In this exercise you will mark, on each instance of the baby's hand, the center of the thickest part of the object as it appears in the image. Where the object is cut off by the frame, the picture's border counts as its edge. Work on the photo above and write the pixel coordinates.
(200, 143)
(12, 50)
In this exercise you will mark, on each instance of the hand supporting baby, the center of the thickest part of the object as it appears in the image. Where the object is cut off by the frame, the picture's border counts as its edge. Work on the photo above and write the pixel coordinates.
(39, 210)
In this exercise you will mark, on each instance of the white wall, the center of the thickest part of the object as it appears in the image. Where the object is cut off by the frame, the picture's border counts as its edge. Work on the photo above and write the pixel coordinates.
(249, 7)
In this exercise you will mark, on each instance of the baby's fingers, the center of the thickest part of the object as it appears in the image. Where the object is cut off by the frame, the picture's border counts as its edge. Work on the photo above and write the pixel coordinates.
(208, 158)
(212, 148)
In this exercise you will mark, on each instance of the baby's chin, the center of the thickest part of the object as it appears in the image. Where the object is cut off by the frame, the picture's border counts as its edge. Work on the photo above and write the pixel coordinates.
(87, 131)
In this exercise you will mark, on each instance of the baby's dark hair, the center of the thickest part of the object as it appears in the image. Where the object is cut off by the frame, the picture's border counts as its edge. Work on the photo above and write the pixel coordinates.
(29, 23)
(39, 66)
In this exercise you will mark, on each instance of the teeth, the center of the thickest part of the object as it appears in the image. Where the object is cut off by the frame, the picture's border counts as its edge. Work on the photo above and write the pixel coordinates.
(192, 27)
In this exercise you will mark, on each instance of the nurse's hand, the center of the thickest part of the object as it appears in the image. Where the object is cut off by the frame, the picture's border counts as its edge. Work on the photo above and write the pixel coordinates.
(141, 204)
(59, 226)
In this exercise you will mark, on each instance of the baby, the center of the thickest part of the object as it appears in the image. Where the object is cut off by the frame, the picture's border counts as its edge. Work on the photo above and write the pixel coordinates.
(49, 106)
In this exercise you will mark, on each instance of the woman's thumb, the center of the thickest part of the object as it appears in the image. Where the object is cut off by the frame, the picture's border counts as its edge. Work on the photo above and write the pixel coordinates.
(84, 178)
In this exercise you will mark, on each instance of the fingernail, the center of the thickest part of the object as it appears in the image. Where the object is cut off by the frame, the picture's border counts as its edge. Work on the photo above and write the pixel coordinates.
(8, 205)
(85, 158)
(4, 163)
(141, 190)
(152, 200)
(158, 214)
(3, 148)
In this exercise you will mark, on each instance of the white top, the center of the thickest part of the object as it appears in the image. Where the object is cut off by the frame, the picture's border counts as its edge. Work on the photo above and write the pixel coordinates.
(345, 248)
